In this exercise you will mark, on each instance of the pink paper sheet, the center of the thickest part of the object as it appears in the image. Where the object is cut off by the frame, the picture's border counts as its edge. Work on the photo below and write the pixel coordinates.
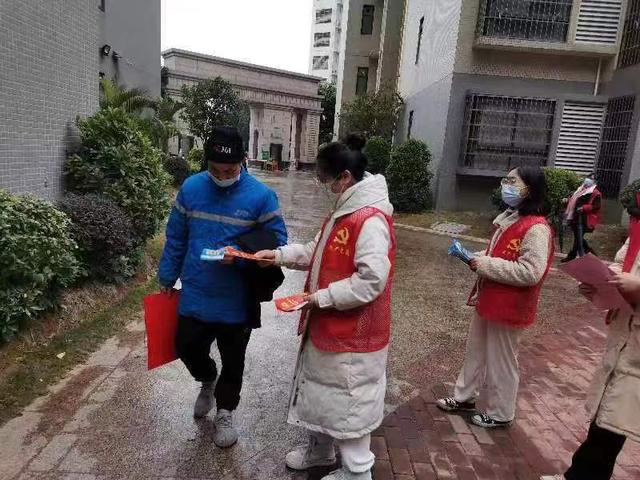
(593, 271)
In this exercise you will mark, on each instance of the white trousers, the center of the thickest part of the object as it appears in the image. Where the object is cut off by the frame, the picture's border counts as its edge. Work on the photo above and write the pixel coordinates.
(356, 453)
(491, 361)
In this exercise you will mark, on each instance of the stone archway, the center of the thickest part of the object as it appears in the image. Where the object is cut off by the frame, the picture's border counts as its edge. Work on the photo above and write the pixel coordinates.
(256, 137)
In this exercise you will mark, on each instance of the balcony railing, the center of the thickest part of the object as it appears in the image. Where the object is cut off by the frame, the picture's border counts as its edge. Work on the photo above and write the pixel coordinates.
(533, 20)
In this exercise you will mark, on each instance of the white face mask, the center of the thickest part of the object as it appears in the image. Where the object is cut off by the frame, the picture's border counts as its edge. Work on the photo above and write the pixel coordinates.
(224, 183)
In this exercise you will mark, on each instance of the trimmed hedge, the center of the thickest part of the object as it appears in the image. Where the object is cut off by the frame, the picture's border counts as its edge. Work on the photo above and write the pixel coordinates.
(178, 168)
(37, 259)
(409, 177)
(118, 160)
(378, 152)
(104, 234)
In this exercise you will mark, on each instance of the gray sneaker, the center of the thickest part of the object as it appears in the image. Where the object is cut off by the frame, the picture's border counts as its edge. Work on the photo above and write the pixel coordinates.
(225, 435)
(204, 402)
(311, 455)
(344, 474)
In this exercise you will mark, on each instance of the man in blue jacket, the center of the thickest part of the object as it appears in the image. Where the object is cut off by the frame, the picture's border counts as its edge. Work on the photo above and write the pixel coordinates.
(212, 210)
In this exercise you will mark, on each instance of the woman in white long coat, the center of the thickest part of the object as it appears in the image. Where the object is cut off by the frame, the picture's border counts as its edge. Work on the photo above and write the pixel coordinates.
(340, 378)
(614, 399)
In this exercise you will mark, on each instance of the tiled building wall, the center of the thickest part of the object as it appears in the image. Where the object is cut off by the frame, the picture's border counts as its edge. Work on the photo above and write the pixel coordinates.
(48, 75)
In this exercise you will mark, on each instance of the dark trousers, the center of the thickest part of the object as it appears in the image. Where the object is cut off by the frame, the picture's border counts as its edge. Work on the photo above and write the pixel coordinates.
(193, 345)
(576, 238)
(596, 458)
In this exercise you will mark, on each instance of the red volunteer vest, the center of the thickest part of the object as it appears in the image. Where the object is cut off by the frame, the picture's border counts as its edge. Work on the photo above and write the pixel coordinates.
(506, 304)
(363, 329)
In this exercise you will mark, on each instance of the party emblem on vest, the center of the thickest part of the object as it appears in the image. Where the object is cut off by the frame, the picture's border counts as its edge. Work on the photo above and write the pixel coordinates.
(513, 248)
(340, 241)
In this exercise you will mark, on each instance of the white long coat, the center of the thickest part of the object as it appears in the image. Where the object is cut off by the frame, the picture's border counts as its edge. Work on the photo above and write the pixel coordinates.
(614, 400)
(342, 394)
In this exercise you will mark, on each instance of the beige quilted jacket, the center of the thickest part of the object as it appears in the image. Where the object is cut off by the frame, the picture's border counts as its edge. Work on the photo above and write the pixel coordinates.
(614, 399)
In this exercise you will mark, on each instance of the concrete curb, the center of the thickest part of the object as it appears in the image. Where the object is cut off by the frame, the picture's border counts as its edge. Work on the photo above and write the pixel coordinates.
(468, 238)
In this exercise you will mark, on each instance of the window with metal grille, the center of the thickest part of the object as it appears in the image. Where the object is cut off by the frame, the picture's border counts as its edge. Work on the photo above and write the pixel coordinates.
(537, 20)
(368, 13)
(580, 136)
(324, 15)
(630, 45)
(322, 39)
(321, 63)
(614, 144)
(420, 32)
(502, 133)
(362, 81)
(410, 124)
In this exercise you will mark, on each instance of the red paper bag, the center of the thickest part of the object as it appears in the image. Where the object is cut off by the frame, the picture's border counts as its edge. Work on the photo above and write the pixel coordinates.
(161, 320)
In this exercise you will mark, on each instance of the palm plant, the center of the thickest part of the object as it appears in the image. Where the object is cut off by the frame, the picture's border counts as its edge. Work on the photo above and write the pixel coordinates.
(163, 124)
(130, 100)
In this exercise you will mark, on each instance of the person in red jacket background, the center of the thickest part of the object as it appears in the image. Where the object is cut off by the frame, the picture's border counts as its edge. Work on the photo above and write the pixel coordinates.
(510, 276)
(583, 215)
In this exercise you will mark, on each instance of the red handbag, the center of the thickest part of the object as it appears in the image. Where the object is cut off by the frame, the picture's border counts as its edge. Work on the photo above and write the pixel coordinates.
(161, 320)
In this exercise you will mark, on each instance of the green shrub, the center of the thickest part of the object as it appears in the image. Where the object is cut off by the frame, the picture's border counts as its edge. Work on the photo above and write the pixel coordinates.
(178, 168)
(196, 160)
(104, 234)
(628, 195)
(117, 159)
(378, 151)
(409, 177)
(37, 259)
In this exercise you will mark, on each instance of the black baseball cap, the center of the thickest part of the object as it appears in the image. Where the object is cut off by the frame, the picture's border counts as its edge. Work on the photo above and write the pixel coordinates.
(224, 146)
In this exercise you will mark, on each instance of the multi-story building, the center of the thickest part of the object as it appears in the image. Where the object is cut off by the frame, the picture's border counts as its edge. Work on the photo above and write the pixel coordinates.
(51, 57)
(369, 48)
(494, 84)
(326, 21)
(284, 106)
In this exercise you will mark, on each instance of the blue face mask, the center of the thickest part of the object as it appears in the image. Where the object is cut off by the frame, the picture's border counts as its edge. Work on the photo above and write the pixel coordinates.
(511, 195)
(589, 182)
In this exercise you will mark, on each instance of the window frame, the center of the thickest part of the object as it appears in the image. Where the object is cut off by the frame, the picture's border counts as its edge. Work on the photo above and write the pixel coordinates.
(630, 55)
(313, 62)
(366, 81)
(410, 124)
(321, 35)
(368, 13)
(503, 132)
(319, 16)
(419, 45)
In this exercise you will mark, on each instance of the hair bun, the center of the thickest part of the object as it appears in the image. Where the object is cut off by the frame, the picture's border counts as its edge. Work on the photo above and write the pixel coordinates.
(354, 141)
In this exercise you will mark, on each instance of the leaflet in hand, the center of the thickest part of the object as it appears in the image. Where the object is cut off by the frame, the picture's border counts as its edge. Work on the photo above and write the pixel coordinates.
(457, 250)
(292, 303)
(591, 270)
(209, 255)
(232, 252)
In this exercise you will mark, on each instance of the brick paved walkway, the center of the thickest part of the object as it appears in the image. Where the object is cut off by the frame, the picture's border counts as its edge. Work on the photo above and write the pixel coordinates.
(420, 442)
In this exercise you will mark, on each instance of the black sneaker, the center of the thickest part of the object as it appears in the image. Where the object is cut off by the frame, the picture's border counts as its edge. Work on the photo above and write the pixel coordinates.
(485, 421)
(450, 404)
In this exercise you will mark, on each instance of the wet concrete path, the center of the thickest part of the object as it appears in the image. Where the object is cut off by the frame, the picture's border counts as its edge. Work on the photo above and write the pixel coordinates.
(111, 419)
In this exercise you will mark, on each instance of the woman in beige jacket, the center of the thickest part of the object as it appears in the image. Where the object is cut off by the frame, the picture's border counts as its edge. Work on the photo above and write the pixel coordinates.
(614, 399)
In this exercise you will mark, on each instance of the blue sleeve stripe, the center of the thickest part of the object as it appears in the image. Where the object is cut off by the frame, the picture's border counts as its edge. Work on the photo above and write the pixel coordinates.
(269, 216)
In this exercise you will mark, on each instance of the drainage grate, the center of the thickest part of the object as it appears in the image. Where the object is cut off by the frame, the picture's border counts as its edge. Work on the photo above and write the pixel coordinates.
(450, 228)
